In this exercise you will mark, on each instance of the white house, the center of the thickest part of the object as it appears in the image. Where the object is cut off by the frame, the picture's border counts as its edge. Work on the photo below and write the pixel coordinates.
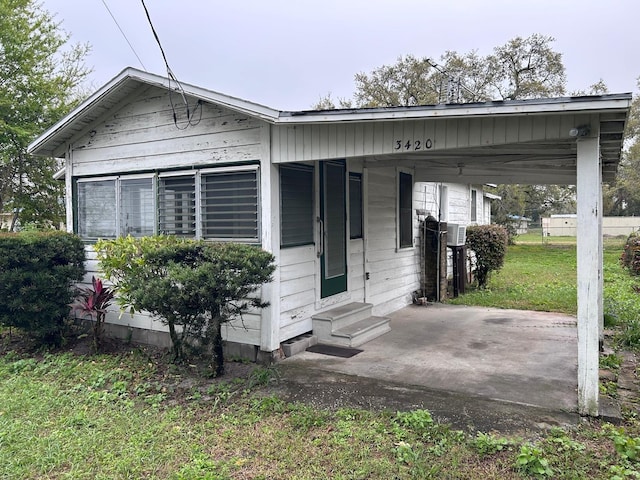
(332, 194)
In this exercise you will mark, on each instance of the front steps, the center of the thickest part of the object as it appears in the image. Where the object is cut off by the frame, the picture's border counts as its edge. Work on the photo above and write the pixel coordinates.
(350, 325)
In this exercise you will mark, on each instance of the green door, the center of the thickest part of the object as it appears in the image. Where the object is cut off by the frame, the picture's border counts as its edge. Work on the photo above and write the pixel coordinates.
(333, 229)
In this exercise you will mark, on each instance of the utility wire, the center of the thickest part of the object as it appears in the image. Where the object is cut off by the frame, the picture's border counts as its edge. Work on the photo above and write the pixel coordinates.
(171, 76)
(123, 34)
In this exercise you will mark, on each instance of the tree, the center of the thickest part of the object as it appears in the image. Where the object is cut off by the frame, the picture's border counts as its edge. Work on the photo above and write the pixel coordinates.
(622, 196)
(40, 79)
(521, 68)
(527, 68)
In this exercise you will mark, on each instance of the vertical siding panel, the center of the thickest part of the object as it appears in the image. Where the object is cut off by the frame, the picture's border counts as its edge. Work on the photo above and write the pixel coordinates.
(378, 137)
(341, 138)
(513, 131)
(331, 141)
(526, 129)
(486, 131)
(359, 139)
(368, 139)
(499, 129)
(350, 133)
(323, 137)
(552, 128)
(307, 150)
(452, 133)
(388, 137)
(291, 144)
(299, 136)
(315, 141)
(538, 128)
(440, 137)
(429, 132)
(475, 132)
(463, 132)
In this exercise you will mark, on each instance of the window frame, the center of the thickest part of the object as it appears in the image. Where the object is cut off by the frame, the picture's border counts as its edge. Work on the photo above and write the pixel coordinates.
(473, 217)
(360, 202)
(199, 206)
(156, 178)
(310, 240)
(401, 211)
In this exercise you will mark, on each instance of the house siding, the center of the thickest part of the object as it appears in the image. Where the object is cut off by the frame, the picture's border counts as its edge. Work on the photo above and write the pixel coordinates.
(393, 272)
(142, 136)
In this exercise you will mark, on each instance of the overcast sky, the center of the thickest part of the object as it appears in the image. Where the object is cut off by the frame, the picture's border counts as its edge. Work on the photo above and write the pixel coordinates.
(287, 53)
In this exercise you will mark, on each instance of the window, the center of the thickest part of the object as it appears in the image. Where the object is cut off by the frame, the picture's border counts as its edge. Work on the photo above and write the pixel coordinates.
(97, 209)
(177, 205)
(137, 207)
(405, 210)
(230, 205)
(355, 205)
(296, 205)
(220, 204)
(474, 205)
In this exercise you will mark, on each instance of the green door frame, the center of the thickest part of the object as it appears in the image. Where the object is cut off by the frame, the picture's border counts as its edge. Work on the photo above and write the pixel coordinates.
(333, 228)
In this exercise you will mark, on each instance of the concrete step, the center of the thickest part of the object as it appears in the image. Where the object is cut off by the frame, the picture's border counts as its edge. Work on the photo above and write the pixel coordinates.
(358, 333)
(340, 317)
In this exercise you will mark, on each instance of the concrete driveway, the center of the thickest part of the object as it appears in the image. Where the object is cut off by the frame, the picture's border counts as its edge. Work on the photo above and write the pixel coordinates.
(475, 367)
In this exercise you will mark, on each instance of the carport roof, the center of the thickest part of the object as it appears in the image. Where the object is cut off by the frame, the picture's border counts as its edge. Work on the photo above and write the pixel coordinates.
(612, 111)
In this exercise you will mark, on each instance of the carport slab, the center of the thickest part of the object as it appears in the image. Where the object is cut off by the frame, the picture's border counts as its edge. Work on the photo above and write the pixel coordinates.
(466, 362)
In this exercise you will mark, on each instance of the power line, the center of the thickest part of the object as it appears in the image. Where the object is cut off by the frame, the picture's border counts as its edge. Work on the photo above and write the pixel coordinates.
(170, 77)
(123, 34)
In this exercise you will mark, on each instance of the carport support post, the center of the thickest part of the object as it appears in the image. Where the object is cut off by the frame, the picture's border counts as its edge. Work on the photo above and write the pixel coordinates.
(589, 252)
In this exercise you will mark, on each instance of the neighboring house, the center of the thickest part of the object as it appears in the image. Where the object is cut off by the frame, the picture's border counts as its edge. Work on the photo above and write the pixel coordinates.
(332, 194)
(565, 225)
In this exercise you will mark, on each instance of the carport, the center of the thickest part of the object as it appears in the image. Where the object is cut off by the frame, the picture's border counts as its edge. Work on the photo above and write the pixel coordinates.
(563, 141)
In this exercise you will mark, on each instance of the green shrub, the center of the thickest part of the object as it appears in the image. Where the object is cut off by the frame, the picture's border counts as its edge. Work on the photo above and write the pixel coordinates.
(489, 242)
(193, 284)
(37, 270)
(630, 258)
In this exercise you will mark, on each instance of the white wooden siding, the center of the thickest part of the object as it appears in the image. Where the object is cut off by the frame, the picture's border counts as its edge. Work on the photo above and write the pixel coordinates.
(142, 136)
(297, 290)
(393, 272)
(295, 143)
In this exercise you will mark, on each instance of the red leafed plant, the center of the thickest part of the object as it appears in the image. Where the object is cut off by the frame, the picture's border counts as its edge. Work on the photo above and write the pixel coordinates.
(94, 302)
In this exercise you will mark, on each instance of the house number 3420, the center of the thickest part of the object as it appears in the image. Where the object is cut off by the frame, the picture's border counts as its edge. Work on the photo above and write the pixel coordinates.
(413, 144)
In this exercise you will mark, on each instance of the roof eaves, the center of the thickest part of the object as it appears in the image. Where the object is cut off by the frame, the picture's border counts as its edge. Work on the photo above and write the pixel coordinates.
(506, 107)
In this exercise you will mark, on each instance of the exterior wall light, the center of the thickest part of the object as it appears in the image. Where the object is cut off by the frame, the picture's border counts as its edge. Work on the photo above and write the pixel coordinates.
(581, 131)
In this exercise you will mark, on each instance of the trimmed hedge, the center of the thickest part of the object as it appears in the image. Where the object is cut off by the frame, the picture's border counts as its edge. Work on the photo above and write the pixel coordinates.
(630, 258)
(489, 242)
(37, 270)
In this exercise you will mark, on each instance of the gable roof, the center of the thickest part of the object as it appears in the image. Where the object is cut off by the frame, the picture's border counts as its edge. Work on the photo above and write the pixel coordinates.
(116, 90)
(613, 110)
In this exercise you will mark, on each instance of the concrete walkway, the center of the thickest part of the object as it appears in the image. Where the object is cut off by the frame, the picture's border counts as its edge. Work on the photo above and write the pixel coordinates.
(475, 367)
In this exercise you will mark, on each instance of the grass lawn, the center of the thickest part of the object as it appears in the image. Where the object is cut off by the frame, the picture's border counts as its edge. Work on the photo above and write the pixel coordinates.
(130, 415)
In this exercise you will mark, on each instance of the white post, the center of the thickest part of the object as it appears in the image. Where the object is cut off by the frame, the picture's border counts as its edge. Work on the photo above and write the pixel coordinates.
(589, 251)
(270, 225)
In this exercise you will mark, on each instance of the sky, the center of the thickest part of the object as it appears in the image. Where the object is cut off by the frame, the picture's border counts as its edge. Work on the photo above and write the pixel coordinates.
(286, 54)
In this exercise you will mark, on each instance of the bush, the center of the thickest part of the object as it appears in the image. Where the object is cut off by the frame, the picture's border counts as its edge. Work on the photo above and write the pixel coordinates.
(489, 242)
(37, 270)
(630, 258)
(193, 284)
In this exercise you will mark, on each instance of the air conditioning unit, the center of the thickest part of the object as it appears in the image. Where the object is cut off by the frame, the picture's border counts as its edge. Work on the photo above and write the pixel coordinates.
(456, 234)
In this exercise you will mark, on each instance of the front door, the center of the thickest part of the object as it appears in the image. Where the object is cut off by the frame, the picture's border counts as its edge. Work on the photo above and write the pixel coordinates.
(333, 228)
